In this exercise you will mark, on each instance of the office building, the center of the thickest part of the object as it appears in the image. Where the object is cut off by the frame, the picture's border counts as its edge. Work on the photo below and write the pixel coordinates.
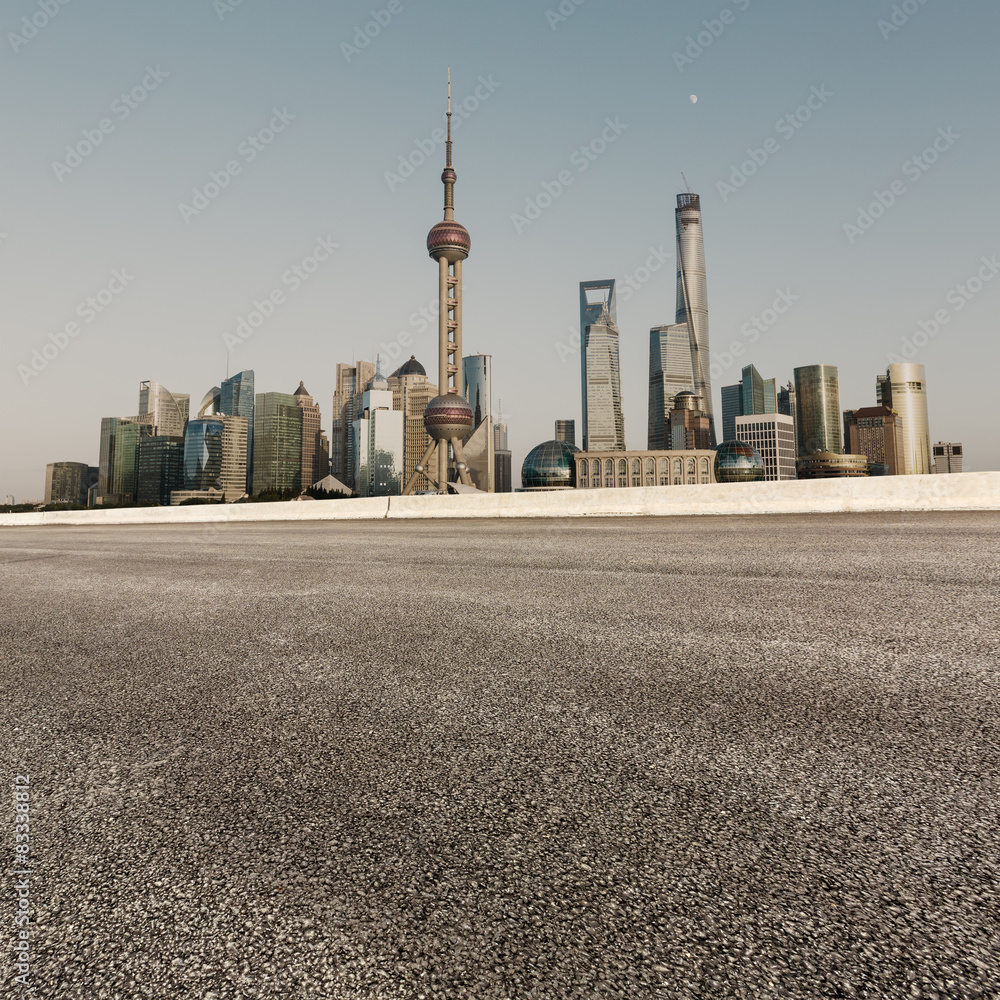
(947, 457)
(830, 465)
(411, 392)
(873, 431)
(315, 448)
(623, 470)
(817, 406)
(692, 294)
(479, 449)
(786, 405)
(566, 431)
(503, 462)
(161, 468)
(236, 399)
(124, 482)
(67, 482)
(603, 421)
(215, 456)
(277, 444)
(690, 427)
(903, 389)
(477, 386)
(351, 383)
(750, 396)
(378, 442)
(167, 411)
(772, 436)
(670, 372)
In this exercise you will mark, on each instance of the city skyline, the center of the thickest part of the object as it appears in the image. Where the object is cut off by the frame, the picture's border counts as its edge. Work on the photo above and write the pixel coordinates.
(158, 295)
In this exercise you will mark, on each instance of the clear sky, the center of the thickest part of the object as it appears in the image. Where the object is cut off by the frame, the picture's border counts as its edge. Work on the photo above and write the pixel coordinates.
(199, 78)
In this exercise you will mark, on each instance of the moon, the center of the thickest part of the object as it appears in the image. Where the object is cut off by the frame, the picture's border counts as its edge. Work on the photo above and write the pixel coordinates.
(694, 98)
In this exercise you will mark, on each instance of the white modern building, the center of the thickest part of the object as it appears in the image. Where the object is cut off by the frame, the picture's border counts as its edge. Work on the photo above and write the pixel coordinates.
(772, 435)
(947, 457)
(378, 442)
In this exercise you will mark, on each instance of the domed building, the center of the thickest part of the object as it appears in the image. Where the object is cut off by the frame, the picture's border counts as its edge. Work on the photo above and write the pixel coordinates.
(550, 466)
(738, 462)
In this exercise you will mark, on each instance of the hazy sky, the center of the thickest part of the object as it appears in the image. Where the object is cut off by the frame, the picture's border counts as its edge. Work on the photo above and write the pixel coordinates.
(174, 93)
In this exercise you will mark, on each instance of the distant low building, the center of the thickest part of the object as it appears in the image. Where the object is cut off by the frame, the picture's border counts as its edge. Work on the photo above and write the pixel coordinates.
(947, 457)
(626, 469)
(828, 465)
(66, 482)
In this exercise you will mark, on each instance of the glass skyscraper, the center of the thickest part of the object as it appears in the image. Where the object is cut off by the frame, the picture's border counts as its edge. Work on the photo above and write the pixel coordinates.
(670, 372)
(203, 454)
(603, 421)
(277, 446)
(236, 399)
(817, 410)
(161, 468)
(477, 385)
(168, 411)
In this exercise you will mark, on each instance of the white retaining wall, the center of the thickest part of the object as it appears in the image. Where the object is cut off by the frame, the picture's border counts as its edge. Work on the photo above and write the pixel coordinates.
(962, 491)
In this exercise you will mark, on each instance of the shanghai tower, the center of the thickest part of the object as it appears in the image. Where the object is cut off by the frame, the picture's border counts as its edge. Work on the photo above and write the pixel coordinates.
(692, 296)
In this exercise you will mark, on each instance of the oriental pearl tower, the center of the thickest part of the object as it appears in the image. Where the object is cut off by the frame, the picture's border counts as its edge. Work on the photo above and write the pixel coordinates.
(448, 417)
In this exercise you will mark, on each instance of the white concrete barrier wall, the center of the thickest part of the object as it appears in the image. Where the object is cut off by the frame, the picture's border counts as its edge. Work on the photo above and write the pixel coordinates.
(962, 491)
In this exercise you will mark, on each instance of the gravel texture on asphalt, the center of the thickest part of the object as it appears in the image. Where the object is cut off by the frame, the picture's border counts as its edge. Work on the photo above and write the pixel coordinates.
(626, 758)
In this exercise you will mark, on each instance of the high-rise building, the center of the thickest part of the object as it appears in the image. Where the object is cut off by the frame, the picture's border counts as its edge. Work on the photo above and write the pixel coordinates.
(411, 392)
(502, 459)
(478, 446)
(947, 457)
(315, 456)
(566, 431)
(215, 455)
(903, 389)
(873, 431)
(772, 436)
(690, 428)
(477, 385)
(750, 396)
(351, 383)
(817, 406)
(786, 405)
(378, 442)
(236, 399)
(277, 443)
(124, 485)
(448, 417)
(603, 421)
(66, 482)
(161, 468)
(670, 372)
(168, 411)
(732, 407)
(692, 294)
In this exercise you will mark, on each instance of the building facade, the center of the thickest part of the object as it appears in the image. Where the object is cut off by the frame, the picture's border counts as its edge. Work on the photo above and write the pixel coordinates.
(603, 420)
(236, 399)
(670, 372)
(503, 461)
(903, 389)
(692, 294)
(277, 443)
(690, 428)
(752, 395)
(168, 411)
(565, 431)
(817, 405)
(161, 468)
(351, 383)
(622, 470)
(947, 457)
(67, 482)
(315, 448)
(772, 436)
(830, 465)
(411, 392)
(873, 431)
(378, 443)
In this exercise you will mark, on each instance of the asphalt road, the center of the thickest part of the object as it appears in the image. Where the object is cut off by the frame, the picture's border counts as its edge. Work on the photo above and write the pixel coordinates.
(623, 758)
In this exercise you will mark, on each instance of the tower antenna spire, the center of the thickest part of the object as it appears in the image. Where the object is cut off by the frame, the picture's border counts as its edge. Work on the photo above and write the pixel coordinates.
(448, 146)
